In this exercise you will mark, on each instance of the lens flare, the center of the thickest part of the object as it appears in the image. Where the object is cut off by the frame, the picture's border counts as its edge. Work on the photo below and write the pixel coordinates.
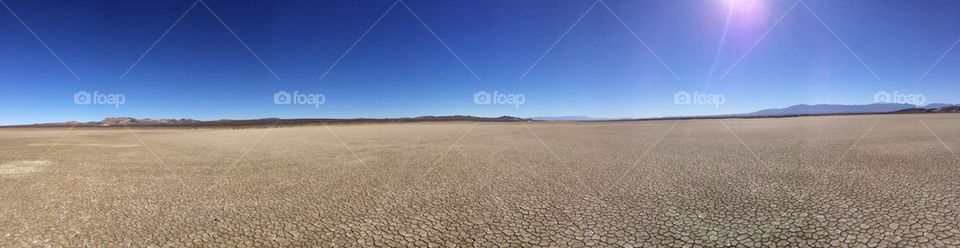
(744, 21)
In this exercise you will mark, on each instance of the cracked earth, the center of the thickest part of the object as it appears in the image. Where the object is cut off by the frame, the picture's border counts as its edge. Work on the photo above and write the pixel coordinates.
(859, 181)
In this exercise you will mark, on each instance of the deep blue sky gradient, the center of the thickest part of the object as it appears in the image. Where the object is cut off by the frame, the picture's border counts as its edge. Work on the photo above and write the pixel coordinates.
(199, 70)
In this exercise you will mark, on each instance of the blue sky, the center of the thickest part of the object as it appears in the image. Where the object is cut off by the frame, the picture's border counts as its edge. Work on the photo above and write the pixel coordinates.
(200, 70)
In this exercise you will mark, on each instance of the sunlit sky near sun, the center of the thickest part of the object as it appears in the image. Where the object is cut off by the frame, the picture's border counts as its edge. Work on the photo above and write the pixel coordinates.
(608, 58)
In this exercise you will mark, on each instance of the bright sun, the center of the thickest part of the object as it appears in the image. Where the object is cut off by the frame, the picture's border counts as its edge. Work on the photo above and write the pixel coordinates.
(747, 11)
(740, 3)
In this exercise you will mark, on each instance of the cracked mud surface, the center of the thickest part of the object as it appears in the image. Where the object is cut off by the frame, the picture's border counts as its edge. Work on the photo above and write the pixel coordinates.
(812, 181)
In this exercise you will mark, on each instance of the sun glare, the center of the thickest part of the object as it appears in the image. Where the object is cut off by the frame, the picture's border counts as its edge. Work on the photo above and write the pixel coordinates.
(747, 12)
(736, 3)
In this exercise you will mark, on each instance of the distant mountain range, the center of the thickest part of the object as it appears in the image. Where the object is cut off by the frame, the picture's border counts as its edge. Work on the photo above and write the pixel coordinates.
(130, 121)
(795, 110)
(125, 121)
(948, 109)
(829, 109)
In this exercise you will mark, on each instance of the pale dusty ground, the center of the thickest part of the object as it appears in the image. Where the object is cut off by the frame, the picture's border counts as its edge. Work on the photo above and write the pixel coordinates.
(809, 181)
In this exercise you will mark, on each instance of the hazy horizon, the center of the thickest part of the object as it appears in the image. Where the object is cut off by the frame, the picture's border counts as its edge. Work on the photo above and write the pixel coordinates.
(570, 117)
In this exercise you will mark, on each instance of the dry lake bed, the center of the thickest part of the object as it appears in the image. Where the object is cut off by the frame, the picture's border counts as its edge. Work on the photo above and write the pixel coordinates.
(871, 180)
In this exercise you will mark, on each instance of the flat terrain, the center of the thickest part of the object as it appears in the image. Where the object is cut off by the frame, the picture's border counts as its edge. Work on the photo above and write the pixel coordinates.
(878, 180)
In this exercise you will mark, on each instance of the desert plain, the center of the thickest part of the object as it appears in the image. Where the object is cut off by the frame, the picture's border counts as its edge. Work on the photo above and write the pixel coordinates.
(859, 181)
